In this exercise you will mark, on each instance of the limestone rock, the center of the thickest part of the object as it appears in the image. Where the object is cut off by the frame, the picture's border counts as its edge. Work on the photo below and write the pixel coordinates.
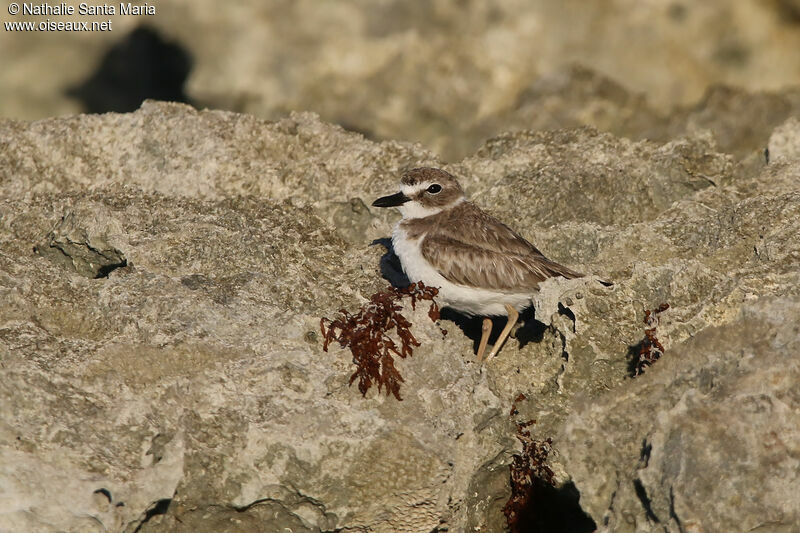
(586, 176)
(448, 74)
(706, 440)
(87, 254)
(784, 144)
(188, 389)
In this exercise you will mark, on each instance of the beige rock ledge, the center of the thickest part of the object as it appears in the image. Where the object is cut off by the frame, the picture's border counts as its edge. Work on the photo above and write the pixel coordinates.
(185, 389)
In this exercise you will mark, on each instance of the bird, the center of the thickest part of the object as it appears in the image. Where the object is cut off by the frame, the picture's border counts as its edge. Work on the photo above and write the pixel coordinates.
(480, 266)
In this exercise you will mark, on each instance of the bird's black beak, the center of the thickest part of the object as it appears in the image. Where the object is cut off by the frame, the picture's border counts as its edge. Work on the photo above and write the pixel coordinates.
(392, 200)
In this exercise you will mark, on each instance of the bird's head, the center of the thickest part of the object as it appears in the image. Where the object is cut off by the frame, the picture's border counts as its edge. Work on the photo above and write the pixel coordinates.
(424, 192)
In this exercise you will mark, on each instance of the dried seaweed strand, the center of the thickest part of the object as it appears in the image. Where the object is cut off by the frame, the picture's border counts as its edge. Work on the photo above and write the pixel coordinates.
(650, 349)
(529, 472)
(366, 334)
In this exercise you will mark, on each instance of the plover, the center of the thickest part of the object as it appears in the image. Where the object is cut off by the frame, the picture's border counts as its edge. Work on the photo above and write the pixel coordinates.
(481, 266)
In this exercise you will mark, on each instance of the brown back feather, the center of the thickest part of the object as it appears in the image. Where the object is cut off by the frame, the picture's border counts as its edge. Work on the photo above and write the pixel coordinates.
(469, 247)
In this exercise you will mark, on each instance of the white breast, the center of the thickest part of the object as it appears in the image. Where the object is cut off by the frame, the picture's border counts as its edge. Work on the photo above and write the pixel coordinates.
(468, 300)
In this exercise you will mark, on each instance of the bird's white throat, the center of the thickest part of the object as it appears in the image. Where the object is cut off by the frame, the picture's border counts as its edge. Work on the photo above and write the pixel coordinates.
(415, 209)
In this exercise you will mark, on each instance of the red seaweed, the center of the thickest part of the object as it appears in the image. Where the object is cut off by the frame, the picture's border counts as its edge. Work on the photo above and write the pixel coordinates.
(650, 349)
(366, 334)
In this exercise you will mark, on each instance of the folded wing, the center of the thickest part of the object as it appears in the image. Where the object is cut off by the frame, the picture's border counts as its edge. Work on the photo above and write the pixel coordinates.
(484, 252)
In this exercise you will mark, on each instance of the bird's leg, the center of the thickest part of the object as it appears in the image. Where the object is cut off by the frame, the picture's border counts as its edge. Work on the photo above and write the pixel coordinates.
(513, 315)
(487, 330)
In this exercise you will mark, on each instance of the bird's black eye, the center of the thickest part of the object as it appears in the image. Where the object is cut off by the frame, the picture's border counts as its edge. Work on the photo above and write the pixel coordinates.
(435, 188)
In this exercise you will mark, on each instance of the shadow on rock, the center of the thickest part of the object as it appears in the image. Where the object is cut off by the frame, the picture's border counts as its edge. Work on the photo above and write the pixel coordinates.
(555, 510)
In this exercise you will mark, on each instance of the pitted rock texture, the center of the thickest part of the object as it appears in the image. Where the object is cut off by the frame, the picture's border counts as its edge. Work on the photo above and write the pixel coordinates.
(711, 436)
(188, 389)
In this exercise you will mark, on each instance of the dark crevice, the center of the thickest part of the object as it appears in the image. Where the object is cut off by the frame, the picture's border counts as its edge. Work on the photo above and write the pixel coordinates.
(105, 492)
(287, 508)
(672, 513)
(245, 508)
(555, 510)
(644, 455)
(158, 508)
(641, 493)
(632, 356)
(567, 312)
(80, 257)
(564, 352)
(105, 270)
(607, 517)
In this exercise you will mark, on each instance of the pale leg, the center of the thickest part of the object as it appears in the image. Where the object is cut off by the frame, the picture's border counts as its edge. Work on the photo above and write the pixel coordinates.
(513, 315)
(487, 330)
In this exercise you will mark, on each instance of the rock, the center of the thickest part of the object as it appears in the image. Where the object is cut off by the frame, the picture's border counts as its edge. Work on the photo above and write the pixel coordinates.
(784, 144)
(575, 175)
(681, 448)
(71, 245)
(188, 389)
(203, 155)
(740, 122)
(447, 74)
(208, 362)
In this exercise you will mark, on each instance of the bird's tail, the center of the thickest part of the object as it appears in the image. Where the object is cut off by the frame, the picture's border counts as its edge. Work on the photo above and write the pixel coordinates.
(554, 269)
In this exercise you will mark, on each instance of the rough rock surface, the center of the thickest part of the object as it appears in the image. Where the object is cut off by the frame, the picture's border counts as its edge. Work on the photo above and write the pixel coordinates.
(163, 274)
(711, 438)
(448, 73)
